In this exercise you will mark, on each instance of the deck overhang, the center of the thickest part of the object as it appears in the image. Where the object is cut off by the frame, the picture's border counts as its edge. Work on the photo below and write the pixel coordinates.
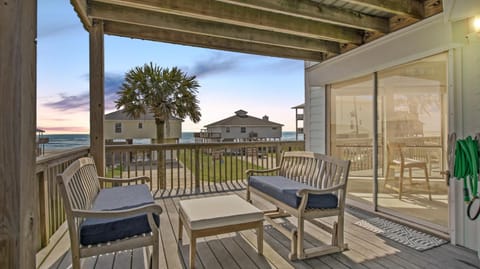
(305, 29)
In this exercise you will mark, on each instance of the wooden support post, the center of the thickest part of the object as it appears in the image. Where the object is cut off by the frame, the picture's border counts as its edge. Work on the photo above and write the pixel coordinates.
(44, 220)
(97, 96)
(18, 32)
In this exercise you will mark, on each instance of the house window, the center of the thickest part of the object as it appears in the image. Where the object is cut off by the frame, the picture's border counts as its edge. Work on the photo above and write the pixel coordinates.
(274, 128)
(118, 127)
(140, 125)
(227, 129)
(243, 129)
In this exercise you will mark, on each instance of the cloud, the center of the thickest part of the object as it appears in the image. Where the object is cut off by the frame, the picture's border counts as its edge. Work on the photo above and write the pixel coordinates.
(51, 30)
(215, 64)
(81, 102)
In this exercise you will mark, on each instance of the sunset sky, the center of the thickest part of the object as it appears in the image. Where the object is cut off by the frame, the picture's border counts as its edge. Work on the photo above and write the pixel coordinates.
(229, 81)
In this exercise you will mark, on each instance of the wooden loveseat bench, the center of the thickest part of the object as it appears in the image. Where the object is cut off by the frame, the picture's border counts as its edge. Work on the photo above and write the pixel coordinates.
(103, 220)
(305, 185)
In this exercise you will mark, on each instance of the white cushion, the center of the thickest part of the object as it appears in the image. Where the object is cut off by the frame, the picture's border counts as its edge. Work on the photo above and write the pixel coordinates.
(218, 211)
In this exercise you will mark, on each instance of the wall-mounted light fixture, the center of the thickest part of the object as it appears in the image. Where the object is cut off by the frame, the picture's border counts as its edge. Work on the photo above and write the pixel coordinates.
(476, 24)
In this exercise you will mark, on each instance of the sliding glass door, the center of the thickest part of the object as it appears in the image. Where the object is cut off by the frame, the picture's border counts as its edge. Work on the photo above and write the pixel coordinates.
(411, 119)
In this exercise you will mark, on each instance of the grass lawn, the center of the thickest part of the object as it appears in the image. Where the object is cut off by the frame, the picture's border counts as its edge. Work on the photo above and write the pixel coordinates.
(227, 168)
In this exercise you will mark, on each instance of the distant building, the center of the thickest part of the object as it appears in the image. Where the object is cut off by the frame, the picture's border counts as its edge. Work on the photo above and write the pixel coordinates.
(299, 110)
(118, 126)
(240, 127)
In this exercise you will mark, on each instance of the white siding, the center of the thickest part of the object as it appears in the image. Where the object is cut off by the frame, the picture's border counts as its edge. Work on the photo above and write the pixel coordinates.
(429, 37)
(317, 125)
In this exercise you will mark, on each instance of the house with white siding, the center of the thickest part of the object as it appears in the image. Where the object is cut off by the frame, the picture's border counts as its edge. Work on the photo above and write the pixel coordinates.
(240, 127)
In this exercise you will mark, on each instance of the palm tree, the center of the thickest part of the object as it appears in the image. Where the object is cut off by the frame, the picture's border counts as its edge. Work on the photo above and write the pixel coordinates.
(163, 92)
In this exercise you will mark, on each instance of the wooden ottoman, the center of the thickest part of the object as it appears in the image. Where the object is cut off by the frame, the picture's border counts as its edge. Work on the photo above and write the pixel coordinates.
(218, 215)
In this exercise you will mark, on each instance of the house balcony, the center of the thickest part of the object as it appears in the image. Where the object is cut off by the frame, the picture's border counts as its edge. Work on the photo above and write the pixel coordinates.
(194, 170)
(299, 117)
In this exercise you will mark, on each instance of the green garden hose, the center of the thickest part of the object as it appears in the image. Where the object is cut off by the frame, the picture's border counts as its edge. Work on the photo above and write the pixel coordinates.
(466, 168)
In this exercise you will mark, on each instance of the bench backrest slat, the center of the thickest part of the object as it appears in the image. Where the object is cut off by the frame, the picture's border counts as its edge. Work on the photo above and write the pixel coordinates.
(317, 170)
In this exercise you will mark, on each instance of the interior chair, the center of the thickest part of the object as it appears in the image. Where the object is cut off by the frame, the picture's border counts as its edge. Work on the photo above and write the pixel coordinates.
(397, 160)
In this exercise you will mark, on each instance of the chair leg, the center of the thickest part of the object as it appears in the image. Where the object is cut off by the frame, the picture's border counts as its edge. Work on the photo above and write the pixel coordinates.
(339, 232)
(427, 181)
(400, 188)
(248, 195)
(410, 175)
(386, 176)
(156, 252)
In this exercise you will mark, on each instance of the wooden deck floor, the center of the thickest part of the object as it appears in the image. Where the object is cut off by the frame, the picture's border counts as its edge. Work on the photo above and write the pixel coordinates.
(238, 250)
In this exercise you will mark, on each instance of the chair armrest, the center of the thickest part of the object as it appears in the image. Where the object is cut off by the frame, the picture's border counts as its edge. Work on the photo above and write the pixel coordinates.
(124, 180)
(250, 172)
(150, 208)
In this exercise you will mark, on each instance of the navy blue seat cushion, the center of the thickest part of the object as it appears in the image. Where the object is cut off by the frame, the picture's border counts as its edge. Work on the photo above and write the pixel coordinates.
(285, 190)
(96, 230)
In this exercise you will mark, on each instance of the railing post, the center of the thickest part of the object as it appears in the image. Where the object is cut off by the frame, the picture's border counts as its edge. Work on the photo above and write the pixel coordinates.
(44, 220)
(197, 169)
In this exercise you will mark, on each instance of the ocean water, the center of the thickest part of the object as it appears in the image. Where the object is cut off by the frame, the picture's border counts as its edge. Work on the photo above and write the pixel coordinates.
(59, 142)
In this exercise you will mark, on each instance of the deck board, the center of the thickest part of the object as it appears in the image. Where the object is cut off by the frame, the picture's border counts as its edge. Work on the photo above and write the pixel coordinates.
(238, 250)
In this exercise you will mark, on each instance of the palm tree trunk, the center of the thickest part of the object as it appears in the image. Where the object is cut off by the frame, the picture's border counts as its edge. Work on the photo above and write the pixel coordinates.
(161, 154)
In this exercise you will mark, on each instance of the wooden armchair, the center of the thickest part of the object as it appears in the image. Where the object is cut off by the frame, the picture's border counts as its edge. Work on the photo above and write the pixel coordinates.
(397, 159)
(107, 220)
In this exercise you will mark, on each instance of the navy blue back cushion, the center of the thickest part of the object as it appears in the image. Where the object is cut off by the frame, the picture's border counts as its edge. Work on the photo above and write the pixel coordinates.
(285, 190)
(95, 230)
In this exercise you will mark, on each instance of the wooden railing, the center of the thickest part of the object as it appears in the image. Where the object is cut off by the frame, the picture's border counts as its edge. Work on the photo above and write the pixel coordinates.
(362, 159)
(189, 168)
(194, 168)
(50, 210)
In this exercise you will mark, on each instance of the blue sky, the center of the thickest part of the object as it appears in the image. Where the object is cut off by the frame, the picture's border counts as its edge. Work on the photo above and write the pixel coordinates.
(229, 81)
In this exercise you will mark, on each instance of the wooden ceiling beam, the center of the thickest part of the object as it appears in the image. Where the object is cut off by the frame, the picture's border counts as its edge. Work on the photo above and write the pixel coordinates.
(409, 8)
(219, 12)
(316, 11)
(192, 39)
(184, 24)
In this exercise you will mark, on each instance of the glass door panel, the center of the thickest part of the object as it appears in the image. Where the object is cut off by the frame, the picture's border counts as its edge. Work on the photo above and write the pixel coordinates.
(412, 119)
(351, 133)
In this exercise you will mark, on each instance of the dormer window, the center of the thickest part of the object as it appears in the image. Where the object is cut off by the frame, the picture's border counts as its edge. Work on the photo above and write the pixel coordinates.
(140, 125)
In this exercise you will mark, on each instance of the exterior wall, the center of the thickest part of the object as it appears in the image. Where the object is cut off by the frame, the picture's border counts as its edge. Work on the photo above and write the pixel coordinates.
(317, 130)
(235, 132)
(173, 129)
(431, 36)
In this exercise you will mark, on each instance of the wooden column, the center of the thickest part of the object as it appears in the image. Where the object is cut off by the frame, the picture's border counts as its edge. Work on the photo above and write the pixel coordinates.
(18, 31)
(97, 96)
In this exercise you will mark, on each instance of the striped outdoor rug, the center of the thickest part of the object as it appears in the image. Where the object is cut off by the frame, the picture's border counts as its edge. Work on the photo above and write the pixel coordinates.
(401, 234)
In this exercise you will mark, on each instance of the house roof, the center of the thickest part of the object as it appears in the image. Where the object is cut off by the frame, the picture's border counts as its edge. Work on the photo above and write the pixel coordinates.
(299, 106)
(313, 30)
(121, 115)
(242, 119)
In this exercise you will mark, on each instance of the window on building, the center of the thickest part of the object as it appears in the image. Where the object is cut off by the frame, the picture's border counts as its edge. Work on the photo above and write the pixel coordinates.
(274, 128)
(227, 129)
(118, 127)
(243, 130)
(140, 125)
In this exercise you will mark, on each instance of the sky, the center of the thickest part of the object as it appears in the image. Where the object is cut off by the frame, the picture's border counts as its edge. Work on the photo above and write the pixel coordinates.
(228, 81)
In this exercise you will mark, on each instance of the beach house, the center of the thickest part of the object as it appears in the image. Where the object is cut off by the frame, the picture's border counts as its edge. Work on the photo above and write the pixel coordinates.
(396, 58)
(240, 127)
(119, 126)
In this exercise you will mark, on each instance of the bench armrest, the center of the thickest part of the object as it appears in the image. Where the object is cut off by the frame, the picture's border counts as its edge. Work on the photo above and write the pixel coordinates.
(250, 172)
(124, 180)
(303, 192)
